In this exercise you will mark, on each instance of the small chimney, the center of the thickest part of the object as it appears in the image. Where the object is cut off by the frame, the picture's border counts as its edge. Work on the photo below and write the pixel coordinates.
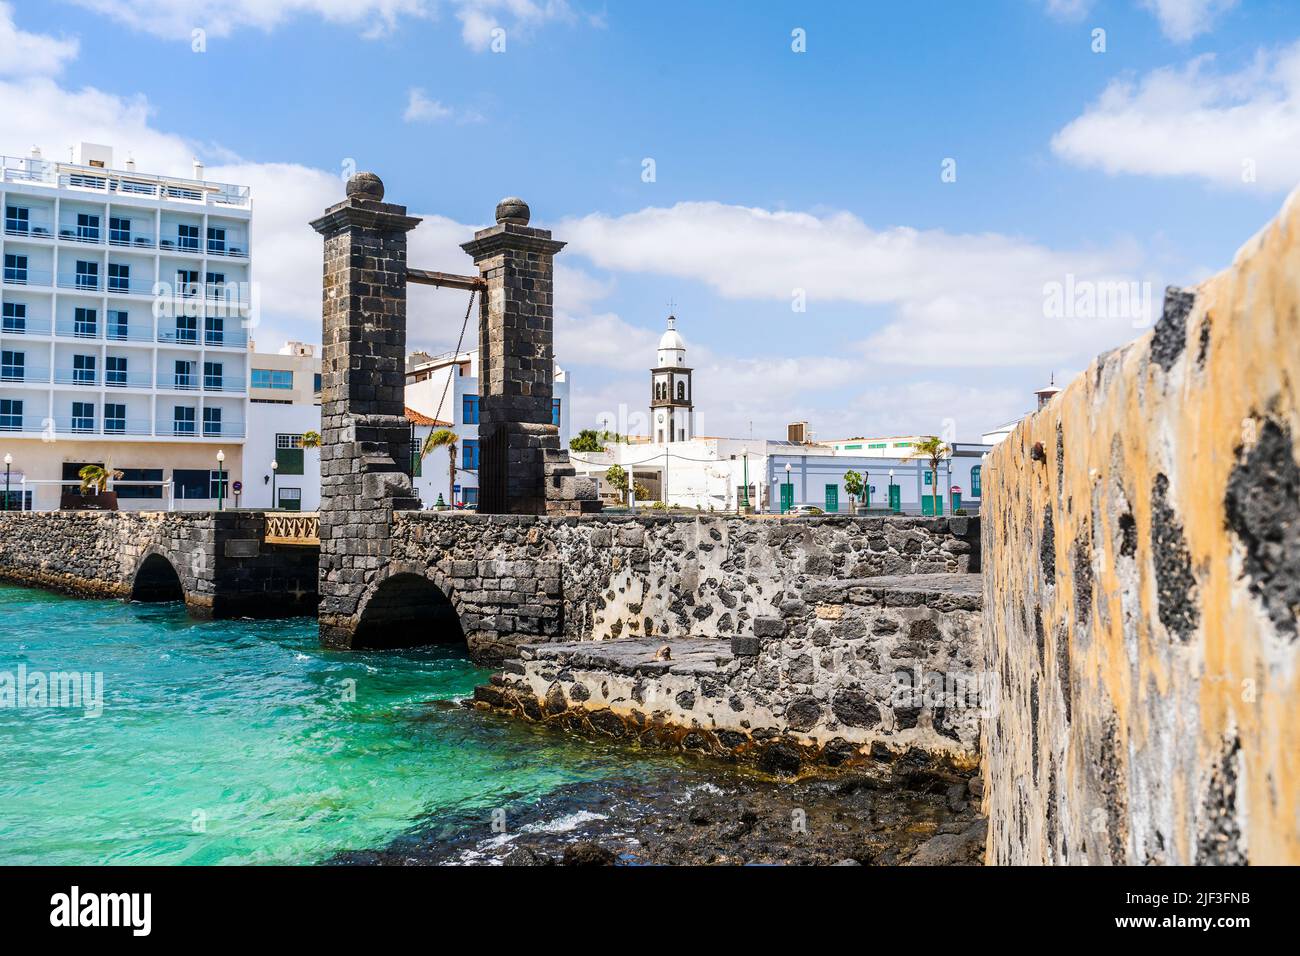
(198, 169)
(130, 164)
(36, 152)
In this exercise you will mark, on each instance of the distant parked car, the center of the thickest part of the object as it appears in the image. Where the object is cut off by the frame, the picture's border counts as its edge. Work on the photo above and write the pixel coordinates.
(807, 510)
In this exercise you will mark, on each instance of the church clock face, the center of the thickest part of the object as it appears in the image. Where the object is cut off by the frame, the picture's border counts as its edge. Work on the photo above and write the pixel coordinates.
(661, 418)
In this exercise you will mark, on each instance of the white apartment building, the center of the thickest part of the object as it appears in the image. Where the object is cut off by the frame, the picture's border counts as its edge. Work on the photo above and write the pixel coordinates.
(125, 301)
(444, 389)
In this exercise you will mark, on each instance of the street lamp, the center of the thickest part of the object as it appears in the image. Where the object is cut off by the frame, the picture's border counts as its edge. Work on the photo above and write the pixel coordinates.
(9, 460)
(789, 495)
(275, 466)
(221, 487)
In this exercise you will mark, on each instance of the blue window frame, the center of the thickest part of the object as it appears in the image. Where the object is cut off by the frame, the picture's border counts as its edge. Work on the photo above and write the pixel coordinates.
(469, 409)
(469, 455)
(85, 323)
(212, 421)
(216, 239)
(11, 414)
(555, 411)
(187, 237)
(83, 416)
(87, 276)
(115, 417)
(15, 268)
(118, 324)
(83, 369)
(272, 378)
(469, 496)
(119, 231)
(88, 227)
(182, 421)
(17, 219)
(114, 372)
(119, 277)
(15, 317)
(13, 365)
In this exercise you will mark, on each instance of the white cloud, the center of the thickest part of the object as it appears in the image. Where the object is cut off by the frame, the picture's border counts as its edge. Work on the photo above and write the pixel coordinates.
(1072, 10)
(1195, 122)
(421, 109)
(954, 300)
(220, 18)
(30, 54)
(1183, 20)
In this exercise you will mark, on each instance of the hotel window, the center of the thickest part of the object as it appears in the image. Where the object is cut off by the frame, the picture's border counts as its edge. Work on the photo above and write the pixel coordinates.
(115, 418)
(212, 421)
(15, 268)
(191, 482)
(272, 378)
(187, 282)
(17, 219)
(87, 276)
(216, 285)
(469, 455)
(187, 328)
(218, 484)
(182, 420)
(184, 372)
(212, 377)
(88, 227)
(555, 411)
(13, 365)
(11, 414)
(83, 416)
(138, 474)
(119, 323)
(469, 410)
(15, 317)
(119, 231)
(83, 369)
(216, 240)
(214, 330)
(902, 444)
(187, 237)
(85, 323)
(119, 277)
(114, 371)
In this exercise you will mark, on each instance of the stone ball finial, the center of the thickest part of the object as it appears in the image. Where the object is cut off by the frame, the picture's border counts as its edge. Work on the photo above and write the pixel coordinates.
(513, 209)
(366, 186)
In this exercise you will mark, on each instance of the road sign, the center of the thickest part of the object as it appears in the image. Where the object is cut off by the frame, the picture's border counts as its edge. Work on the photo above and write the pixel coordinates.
(238, 486)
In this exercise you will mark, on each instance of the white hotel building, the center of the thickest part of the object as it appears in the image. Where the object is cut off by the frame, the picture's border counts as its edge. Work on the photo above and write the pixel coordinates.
(125, 303)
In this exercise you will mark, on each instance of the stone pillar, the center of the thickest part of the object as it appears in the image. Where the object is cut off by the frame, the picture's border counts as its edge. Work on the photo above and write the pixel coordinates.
(365, 438)
(522, 467)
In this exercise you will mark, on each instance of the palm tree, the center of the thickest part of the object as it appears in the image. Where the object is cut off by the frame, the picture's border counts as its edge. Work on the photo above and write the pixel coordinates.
(935, 450)
(311, 439)
(444, 438)
(96, 478)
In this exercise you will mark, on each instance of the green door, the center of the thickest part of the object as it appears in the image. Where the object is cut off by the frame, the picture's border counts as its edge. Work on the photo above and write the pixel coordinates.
(956, 501)
(928, 501)
(787, 497)
(832, 499)
(895, 498)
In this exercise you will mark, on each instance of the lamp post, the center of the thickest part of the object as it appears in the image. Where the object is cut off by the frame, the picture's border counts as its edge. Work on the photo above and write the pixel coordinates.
(221, 485)
(866, 488)
(275, 467)
(789, 495)
(9, 460)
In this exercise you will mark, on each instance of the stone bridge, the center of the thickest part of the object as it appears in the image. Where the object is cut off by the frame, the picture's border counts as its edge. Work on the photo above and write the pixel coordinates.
(219, 563)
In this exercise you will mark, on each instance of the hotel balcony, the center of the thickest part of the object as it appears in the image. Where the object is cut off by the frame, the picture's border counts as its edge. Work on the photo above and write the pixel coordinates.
(170, 428)
(16, 228)
(25, 326)
(22, 423)
(76, 376)
(32, 278)
(82, 281)
(116, 379)
(25, 374)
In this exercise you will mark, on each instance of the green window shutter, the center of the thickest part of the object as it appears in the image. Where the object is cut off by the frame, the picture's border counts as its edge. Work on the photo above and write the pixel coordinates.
(289, 460)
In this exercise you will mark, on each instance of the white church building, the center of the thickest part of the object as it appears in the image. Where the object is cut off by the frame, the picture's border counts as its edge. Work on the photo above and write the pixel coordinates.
(685, 470)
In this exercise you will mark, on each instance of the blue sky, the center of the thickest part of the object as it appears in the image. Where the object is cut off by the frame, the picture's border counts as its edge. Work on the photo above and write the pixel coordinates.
(778, 174)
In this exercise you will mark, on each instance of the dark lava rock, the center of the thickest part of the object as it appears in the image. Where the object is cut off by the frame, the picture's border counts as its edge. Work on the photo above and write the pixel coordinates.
(588, 854)
(851, 707)
(803, 713)
(780, 760)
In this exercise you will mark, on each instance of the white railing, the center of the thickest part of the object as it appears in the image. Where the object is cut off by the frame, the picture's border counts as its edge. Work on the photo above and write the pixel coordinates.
(35, 484)
(15, 169)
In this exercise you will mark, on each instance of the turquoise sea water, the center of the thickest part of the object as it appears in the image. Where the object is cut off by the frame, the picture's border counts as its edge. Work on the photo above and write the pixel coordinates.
(236, 741)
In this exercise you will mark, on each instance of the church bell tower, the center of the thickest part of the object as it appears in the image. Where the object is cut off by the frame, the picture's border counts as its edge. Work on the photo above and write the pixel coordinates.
(672, 412)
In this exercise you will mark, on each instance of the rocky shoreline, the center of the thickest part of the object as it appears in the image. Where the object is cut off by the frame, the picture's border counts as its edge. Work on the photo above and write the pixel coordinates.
(697, 811)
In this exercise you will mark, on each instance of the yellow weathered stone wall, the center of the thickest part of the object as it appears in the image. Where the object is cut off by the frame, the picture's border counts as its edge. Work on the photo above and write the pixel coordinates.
(1142, 586)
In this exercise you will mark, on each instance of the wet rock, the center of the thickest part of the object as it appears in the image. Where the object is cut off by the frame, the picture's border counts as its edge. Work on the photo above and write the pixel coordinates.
(588, 854)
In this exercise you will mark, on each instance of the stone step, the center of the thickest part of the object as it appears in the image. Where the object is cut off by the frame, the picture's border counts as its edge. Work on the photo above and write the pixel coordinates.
(945, 592)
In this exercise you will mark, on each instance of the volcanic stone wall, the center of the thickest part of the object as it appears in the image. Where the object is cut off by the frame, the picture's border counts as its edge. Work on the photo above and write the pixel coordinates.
(1141, 552)
(225, 569)
(518, 579)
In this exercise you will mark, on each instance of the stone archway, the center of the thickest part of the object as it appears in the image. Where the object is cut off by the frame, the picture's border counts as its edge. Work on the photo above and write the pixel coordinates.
(156, 579)
(406, 609)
